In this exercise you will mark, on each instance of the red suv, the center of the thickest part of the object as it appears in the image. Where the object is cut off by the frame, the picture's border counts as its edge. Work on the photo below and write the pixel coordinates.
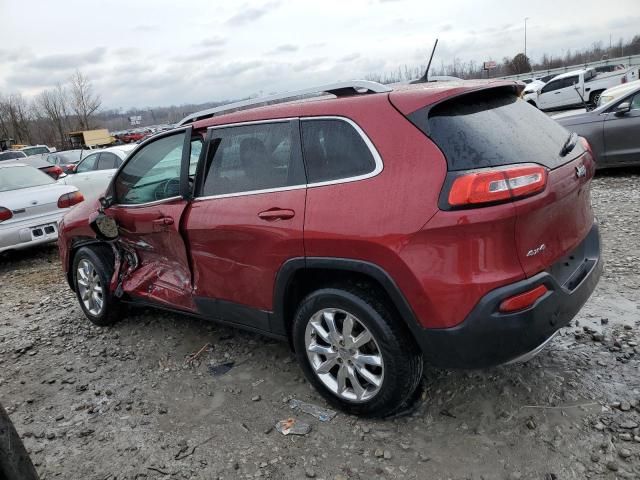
(370, 227)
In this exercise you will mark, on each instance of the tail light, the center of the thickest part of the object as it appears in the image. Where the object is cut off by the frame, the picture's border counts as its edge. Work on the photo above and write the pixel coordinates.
(5, 214)
(496, 185)
(70, 199)
(523, 300)
(54, 171)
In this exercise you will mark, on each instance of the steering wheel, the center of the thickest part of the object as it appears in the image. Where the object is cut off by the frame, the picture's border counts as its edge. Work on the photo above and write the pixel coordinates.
(167, 189)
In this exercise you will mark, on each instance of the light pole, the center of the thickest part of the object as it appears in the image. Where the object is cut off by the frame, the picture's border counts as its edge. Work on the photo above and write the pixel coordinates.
(525, 35)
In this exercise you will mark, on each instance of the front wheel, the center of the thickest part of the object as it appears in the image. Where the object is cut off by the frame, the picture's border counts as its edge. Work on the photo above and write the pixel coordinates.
(92, 272)
(355, 352)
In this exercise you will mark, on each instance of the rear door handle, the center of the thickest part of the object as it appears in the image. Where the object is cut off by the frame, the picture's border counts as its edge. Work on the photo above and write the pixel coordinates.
(161, 224)
(276, 214)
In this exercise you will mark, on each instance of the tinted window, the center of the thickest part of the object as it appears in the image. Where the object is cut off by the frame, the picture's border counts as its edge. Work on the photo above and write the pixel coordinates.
(333, 149)
(487, 129)
(107, 161)
(88, 164)
(635, 102)
(569, 81)
(11, 155)
(153, 173)
(551, 86)
(253, 157)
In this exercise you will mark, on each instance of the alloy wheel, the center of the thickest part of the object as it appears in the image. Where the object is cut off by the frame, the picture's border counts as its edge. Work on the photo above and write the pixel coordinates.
(90, 287)
(344, 355)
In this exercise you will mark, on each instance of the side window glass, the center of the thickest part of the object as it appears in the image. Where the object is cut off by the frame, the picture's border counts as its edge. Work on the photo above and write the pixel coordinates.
(196, 148)
(333, 149)
(635, 102)
(107, 161)
(153, 173)
(253, 157)
(88, 164)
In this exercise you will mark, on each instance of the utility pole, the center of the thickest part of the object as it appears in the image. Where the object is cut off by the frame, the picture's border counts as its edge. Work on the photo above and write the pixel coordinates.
(525, 35)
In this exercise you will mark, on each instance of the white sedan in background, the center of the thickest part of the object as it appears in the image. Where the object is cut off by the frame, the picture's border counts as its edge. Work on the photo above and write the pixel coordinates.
(31, 204)
(94, 172)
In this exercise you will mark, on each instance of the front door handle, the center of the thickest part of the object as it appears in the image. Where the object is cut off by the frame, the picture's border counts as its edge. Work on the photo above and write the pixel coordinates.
(276, 214)
(161, 224)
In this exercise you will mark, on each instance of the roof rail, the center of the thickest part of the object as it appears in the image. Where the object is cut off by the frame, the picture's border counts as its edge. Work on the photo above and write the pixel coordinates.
(338, 89)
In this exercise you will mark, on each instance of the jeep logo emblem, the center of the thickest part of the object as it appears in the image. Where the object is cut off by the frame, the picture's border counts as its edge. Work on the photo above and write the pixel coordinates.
(581, 171)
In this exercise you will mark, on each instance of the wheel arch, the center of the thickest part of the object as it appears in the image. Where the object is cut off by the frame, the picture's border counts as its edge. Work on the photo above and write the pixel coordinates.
(300, 276)
(77, 245)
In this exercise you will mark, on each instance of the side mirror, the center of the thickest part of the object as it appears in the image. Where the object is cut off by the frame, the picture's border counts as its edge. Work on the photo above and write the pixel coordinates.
(622, 109)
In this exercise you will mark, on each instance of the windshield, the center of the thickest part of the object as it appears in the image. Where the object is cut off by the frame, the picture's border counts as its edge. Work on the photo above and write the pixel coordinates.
(18, 177)
(11, 155)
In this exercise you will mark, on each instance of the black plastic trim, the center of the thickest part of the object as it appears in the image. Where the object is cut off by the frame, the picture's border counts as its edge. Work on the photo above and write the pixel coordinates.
(185, 190)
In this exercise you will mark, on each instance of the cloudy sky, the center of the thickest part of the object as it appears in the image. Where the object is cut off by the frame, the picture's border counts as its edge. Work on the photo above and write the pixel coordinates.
(162, 52)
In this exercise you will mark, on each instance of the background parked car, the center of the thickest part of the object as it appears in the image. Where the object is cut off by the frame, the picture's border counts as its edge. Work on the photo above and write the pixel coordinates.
(31, 204)
(67, 159)
(611, 129)
(35, 150)
(39, 162)
(94, 172)
(580, 87)
(11, 155)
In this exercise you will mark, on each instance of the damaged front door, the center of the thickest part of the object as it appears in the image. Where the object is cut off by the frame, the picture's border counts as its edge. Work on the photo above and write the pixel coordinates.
(149, 197)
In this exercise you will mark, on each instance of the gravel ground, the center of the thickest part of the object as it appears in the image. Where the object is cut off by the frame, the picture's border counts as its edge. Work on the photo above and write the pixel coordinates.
(126, 403)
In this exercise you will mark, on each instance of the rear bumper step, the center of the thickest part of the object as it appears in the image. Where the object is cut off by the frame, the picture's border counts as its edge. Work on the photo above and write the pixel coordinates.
(487, 337)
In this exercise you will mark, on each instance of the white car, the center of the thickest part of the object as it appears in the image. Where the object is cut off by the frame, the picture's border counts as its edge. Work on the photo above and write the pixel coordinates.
(615, 92)
(94, 172)
(31, 204)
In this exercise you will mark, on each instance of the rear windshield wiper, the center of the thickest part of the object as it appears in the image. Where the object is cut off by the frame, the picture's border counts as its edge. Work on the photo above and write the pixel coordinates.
(569, 144)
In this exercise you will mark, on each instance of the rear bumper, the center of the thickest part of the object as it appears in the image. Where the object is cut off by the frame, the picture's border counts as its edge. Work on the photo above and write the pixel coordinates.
(18, 236)
(487, 337)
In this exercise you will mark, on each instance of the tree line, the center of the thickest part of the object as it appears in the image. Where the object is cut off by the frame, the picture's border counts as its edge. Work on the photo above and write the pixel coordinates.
(51, 114)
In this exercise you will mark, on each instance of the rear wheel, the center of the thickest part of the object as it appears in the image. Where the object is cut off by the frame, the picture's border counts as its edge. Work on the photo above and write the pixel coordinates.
(355, 352)
(594, 98)
(92, 272)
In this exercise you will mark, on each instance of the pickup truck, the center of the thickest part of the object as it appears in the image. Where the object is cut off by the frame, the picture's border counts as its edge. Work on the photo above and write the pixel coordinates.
(578, 88)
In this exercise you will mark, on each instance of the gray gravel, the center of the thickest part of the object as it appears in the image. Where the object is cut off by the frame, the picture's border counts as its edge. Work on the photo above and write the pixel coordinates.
(128, 402)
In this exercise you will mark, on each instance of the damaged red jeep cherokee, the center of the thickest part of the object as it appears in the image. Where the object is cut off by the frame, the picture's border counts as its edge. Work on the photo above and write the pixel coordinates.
(371, 227)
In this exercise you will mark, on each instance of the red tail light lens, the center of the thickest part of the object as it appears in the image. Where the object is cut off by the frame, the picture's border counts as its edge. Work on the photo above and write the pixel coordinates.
(523, 300)
(5, 214)
(70, 199)
(54, 171)
(494, 185)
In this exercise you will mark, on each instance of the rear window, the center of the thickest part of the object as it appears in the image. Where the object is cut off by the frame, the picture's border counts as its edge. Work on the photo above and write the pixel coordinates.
(15, 178)
(11, 155)
(488, 129)
(334, 150)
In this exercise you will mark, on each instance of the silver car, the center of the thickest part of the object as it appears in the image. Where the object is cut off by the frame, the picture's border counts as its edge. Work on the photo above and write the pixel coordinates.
(31, 204)
(611, 129)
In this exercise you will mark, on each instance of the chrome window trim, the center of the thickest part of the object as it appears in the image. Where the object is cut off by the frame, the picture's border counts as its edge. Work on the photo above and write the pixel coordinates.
(155, 202)
(379, 166)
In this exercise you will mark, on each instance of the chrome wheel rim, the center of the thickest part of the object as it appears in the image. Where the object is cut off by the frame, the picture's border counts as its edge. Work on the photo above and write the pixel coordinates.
(90, 287)
(344, 355)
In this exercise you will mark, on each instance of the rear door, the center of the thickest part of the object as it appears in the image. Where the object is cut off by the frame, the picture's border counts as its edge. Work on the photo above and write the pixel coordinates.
(621, 139)
(549, 95)
(247, 219)
(150, 195)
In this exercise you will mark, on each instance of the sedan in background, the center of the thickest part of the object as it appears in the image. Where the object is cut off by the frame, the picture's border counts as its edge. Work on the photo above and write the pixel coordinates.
(611, 129)
(93, 174)
(12, 155)
(67, 159)
(31, 204)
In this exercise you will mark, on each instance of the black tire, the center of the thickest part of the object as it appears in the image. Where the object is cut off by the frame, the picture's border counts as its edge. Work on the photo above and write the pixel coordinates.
(594, 98)
(532, 103)
(401, 356)
(102, 260)
(15, 463)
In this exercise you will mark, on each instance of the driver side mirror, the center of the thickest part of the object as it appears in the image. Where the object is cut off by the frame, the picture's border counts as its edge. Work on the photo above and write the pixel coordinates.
(622, 109)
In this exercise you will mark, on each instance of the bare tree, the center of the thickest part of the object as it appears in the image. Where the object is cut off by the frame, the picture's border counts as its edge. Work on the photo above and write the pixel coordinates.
(15, 115)
(53, 104)
(84, 101)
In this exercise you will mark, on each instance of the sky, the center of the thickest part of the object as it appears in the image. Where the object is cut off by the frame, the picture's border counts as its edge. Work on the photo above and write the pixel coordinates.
(147, 53)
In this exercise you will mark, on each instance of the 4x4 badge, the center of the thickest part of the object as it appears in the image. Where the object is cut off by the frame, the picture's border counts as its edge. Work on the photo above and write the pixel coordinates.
(581, 171)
